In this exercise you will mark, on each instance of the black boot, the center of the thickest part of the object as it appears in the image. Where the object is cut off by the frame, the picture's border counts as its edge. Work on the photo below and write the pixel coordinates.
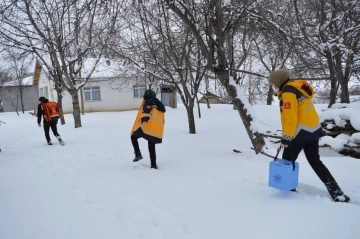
(154, 166)
(342, 198)
(138, 156)
(336, 193)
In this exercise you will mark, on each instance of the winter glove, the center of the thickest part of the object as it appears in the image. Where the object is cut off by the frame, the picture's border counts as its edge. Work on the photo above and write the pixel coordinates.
(145, 119)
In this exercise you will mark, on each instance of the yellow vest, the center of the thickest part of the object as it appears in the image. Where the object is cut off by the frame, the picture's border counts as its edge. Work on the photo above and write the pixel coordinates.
(152, 130)
(299, 118)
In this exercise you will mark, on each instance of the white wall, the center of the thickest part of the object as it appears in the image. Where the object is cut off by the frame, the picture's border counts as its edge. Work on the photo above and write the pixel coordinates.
(46, 87)
(111, 98)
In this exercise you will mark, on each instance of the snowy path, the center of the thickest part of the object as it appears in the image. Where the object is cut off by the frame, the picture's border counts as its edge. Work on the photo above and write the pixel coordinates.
(91, 189)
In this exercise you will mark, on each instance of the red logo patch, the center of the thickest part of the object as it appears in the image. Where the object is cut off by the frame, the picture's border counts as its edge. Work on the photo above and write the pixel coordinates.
(149, 106)
(287, 105)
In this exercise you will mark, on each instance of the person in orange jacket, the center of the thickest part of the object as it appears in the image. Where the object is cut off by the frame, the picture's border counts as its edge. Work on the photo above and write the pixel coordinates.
(301, 127)
(139, 130)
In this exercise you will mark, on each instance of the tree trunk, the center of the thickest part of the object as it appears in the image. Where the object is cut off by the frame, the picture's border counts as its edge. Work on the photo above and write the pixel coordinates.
(270, 95)
(344, 95)
(198, 105)
(76, 108)
(207, 102)
(191, 117)
(59, 101)
(256, 139)
(342, 79)
(22, 100)
(16, 110)
(62, 118)
(333, 92)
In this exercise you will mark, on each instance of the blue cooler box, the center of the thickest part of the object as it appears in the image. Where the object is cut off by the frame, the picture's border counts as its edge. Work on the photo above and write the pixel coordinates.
(282, 176)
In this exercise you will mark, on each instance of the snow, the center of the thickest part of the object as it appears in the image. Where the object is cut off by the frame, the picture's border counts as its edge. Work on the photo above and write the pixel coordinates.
(336, 143)
(26, 81)
(355, 138)
(90, 188)
(249, 111)
(102, 69)
(341, 112)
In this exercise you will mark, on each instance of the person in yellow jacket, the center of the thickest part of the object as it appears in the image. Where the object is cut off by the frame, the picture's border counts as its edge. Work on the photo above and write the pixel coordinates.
(149, 124)
(301, 127)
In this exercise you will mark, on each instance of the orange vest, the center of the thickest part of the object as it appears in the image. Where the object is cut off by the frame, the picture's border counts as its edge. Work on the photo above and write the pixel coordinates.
(152, 130)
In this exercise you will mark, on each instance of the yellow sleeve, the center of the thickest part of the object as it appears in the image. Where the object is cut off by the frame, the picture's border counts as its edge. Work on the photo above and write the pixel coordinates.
(289, 117)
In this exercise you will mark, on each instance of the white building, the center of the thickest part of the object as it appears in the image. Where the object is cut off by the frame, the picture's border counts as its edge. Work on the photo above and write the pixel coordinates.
(16, 95)
(103, 92)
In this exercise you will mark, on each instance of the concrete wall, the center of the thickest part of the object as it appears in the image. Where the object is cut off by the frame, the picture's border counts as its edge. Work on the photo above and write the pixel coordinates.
(115, 95)
(10, 98)
(110, 99)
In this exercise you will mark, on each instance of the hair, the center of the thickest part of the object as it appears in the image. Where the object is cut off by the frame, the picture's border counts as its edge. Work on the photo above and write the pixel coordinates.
(149, 94)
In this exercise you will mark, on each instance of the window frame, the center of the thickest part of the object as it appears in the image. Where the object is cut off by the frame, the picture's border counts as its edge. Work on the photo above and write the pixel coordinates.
(138, 88)
(90, 89)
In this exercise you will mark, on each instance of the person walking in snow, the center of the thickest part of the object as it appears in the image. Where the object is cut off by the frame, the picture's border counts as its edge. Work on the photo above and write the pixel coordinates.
(49, 111)
(149, 124)
(301, 127)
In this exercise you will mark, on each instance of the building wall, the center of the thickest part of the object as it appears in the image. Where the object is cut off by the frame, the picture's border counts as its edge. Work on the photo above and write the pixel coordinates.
(110, 99)
(112, 96)
(9, 94)
(45, 87)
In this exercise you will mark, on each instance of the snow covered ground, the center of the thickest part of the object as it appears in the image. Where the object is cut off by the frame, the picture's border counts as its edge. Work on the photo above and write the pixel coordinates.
(90, 188)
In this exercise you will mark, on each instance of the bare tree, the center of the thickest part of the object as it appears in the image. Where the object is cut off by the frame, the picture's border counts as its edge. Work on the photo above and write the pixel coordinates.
(164, 49)
(332, 30)
(52, 29)
(4, 76)
(214, 25)
(18, 66)
(9, 91)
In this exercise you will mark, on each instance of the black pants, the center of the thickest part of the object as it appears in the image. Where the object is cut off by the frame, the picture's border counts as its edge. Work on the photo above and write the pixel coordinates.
(151, 146)
(311, 150)
(50, 124)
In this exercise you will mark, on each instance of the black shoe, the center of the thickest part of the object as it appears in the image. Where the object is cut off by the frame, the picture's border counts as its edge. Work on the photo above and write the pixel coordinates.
(336, 193)
(341, 198)
(154, 166)
(49, 143)
(60, 140)
(293, 190)
(138, 157)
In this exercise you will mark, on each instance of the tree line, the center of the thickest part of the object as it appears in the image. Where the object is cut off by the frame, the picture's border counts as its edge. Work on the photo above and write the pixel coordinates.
(188, 43)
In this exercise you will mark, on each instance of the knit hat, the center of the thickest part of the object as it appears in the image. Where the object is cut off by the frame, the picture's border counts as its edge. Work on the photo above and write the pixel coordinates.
(278, 77)
(149, 94)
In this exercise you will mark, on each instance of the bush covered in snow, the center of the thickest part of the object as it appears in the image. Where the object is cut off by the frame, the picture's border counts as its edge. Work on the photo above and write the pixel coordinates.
(341, 123)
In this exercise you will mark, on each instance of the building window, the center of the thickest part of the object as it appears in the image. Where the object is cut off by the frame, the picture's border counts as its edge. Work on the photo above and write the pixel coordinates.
(139, 90)
(92, 93)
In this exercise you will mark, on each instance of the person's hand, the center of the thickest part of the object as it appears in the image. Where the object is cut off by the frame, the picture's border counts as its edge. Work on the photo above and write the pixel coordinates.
(145, 119)
(283, 145)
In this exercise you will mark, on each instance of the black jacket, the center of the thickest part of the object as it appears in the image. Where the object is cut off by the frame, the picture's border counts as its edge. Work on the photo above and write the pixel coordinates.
(148, 105)
(151, 102)
(40, 112)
